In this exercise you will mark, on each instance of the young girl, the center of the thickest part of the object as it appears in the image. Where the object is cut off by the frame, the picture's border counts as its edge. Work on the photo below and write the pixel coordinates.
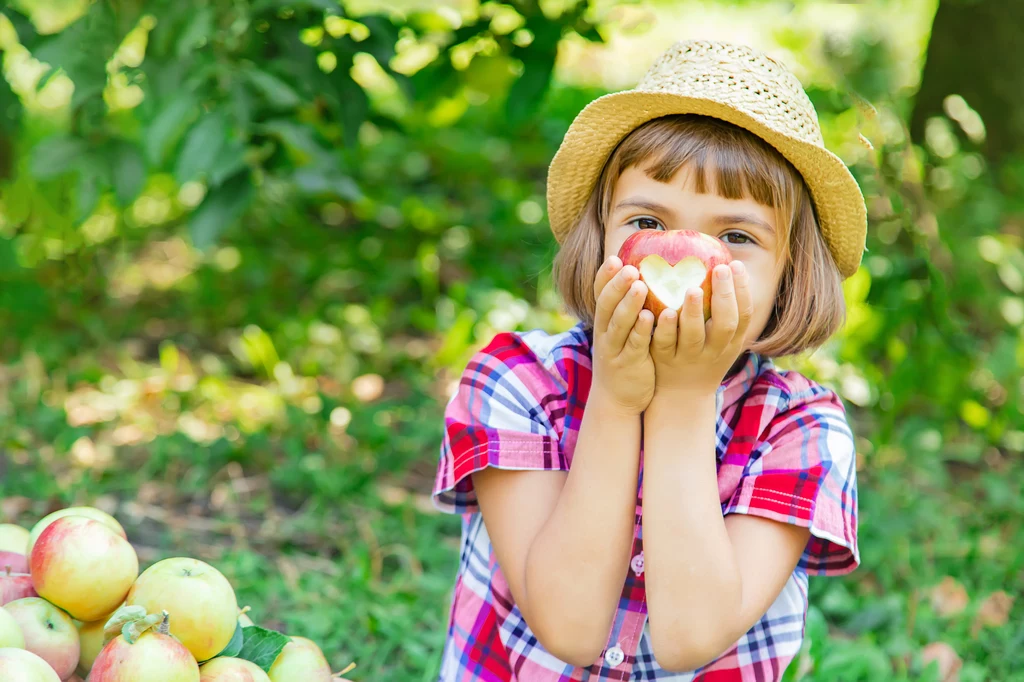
(644, 499)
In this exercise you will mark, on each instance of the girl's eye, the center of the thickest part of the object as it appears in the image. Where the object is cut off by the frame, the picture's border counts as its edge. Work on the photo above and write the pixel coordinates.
(736, 238)
(645, 220)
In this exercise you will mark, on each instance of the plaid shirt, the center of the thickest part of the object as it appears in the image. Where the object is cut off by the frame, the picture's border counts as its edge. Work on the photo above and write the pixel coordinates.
(785, 452)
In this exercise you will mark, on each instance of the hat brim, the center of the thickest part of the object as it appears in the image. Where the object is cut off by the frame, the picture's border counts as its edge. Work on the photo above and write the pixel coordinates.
(576, 166)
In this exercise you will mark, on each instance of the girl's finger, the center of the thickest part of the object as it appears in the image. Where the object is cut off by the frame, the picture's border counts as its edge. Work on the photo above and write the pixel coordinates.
(724, 315)
(638, 343)
(664, 342)
(744, 298)
(624, 317)
(611, 295)
(691, 324)
(605, 273)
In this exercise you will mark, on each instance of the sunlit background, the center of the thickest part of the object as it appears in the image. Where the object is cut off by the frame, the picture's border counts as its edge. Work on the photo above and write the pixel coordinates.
(247, 248)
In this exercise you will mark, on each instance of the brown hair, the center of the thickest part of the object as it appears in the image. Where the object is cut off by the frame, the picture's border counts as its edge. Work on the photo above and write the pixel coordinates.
(809, 307)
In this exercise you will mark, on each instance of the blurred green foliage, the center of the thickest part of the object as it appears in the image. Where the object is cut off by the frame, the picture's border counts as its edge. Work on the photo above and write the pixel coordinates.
(247, 251)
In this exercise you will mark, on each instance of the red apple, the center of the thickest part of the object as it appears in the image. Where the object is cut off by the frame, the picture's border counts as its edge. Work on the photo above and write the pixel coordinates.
(671, 262)
(13, 562)
(83, 566)
(18, 665)
(156, 656)
(15, 586)
(49, 633)
(89, 512)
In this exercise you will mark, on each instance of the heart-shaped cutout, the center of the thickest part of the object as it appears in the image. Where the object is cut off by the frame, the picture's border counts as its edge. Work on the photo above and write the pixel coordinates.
(669, 283)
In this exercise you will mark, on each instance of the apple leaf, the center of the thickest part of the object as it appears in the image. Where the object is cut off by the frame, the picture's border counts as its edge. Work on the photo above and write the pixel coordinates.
(234, 647)
(220, 209)
(262, 646)
(120, 618)
(134, 629)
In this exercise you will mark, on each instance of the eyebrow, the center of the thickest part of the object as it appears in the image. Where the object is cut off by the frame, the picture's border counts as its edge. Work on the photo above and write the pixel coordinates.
(722, 219)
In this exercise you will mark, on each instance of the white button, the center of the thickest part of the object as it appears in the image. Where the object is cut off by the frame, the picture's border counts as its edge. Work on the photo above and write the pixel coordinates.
(637, 564)
(614, 656)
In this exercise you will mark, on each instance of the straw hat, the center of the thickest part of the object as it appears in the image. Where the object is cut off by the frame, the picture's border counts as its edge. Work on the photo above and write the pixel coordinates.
(729, 82)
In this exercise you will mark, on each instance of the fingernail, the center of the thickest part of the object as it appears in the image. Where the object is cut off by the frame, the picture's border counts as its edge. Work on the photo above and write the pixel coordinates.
(670, 315)
(723, 273)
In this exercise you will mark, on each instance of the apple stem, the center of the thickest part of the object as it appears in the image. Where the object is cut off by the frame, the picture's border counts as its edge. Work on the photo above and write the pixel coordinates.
(8, 569)
(165, 624)
(348, 668)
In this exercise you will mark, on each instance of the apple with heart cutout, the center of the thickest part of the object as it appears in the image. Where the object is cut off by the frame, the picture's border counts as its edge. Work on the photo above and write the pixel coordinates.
(672, 262)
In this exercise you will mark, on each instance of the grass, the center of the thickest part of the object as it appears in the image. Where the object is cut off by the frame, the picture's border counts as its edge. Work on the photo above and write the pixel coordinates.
(329, 534)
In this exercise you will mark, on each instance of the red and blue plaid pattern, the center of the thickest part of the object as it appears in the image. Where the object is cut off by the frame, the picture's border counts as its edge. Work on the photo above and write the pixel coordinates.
(785, 452)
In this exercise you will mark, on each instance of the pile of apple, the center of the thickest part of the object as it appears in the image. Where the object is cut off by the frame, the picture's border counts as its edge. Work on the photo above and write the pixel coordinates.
(74, 606)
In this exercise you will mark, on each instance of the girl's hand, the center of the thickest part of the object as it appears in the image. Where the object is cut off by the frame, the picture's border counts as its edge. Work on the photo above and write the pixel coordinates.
(623, 369)
(693, 356)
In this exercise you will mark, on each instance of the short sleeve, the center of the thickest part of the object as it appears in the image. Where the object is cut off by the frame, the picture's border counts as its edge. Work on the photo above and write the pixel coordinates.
(505, 413)
(804, 472)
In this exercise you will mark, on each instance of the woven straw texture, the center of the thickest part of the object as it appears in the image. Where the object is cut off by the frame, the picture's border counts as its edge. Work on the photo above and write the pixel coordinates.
(729, 82)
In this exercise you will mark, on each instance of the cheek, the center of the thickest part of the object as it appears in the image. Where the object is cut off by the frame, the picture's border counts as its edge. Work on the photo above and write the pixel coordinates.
(612, 243)
(764, 292)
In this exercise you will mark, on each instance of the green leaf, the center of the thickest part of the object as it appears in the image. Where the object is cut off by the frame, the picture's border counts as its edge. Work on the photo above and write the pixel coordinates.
(262, 646)
(8, 258)
(82, 51)
(196, 33)
(591, 33)
(381, 41)
(166, 128)
(27, 35)
(87, 191)
(298, 138)
(230, 161)
(220, 209)
(354, 108)
(328, 6)
(234, 647)
(319, 181)
(128, 169)
(56, 155)
(202, 146)
(133, 629)
(278, 94)
(538, 62)
(526, 93)
(10, 120)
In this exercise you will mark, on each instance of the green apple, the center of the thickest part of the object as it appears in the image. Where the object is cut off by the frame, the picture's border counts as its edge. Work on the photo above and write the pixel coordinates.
(231, 670)
(13, 538)
(199, 598)
(10, 632)
(18, 665)
(301, 659)
(49, 633)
